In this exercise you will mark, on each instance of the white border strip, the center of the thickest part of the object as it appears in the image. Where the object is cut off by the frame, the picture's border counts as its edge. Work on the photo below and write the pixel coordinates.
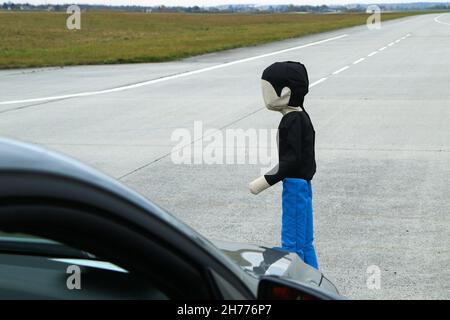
(168, 78)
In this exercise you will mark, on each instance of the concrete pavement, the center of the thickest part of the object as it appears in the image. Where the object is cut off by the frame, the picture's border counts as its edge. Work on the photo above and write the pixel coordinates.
(381, 193)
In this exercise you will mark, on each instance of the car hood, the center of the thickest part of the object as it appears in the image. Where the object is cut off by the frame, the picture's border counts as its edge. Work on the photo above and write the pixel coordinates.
(263, 261)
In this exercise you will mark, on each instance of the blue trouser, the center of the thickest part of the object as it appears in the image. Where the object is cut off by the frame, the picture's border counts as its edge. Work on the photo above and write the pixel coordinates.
(297, 232)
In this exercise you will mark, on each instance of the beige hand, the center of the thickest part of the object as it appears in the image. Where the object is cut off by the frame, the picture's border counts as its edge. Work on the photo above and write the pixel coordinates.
(258, 185)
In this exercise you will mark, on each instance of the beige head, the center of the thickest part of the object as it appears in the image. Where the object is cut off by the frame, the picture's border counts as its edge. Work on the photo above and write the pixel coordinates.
(273, 101)
(284, 86)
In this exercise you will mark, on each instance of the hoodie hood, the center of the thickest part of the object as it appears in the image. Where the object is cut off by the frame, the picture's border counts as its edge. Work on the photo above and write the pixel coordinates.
(284, 85)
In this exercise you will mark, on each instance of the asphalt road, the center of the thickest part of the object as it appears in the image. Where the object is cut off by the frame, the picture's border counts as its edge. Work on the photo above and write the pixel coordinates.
(382, 190)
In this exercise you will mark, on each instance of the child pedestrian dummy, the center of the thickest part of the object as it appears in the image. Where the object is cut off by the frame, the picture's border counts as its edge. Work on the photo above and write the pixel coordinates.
(284, 86)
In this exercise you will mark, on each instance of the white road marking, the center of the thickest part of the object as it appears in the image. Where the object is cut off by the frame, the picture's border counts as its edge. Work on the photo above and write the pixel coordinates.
(361, 59)
(317, 82)
(441, 22)
(341, 69)
(168, 78)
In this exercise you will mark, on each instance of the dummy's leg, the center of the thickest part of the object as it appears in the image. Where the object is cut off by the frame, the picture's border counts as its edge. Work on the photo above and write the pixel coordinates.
(308, 249)
(296, 229)
(289, 216)
(293, 227)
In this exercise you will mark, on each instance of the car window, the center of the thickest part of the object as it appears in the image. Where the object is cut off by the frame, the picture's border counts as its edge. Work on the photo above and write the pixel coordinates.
(39, 268)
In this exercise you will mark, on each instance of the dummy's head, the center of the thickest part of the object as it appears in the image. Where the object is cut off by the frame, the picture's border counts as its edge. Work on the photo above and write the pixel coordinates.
(284, 85)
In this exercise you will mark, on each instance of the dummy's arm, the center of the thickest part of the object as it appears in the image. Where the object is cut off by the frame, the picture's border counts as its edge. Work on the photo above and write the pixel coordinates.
(258, 185)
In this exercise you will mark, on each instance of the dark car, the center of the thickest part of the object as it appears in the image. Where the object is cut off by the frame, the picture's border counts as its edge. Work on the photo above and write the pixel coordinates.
(69, 232)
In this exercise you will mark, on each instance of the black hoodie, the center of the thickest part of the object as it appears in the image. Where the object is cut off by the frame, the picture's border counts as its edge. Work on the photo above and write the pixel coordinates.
(296, 135)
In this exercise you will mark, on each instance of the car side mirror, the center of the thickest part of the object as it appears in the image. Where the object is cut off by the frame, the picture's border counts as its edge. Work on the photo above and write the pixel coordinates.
(275, 288)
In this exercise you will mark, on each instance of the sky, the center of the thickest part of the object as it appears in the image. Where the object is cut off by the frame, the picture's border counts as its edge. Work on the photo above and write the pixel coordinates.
(212, 2)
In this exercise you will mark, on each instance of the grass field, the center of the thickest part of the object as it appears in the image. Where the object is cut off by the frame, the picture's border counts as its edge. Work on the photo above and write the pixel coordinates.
(41, 39)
